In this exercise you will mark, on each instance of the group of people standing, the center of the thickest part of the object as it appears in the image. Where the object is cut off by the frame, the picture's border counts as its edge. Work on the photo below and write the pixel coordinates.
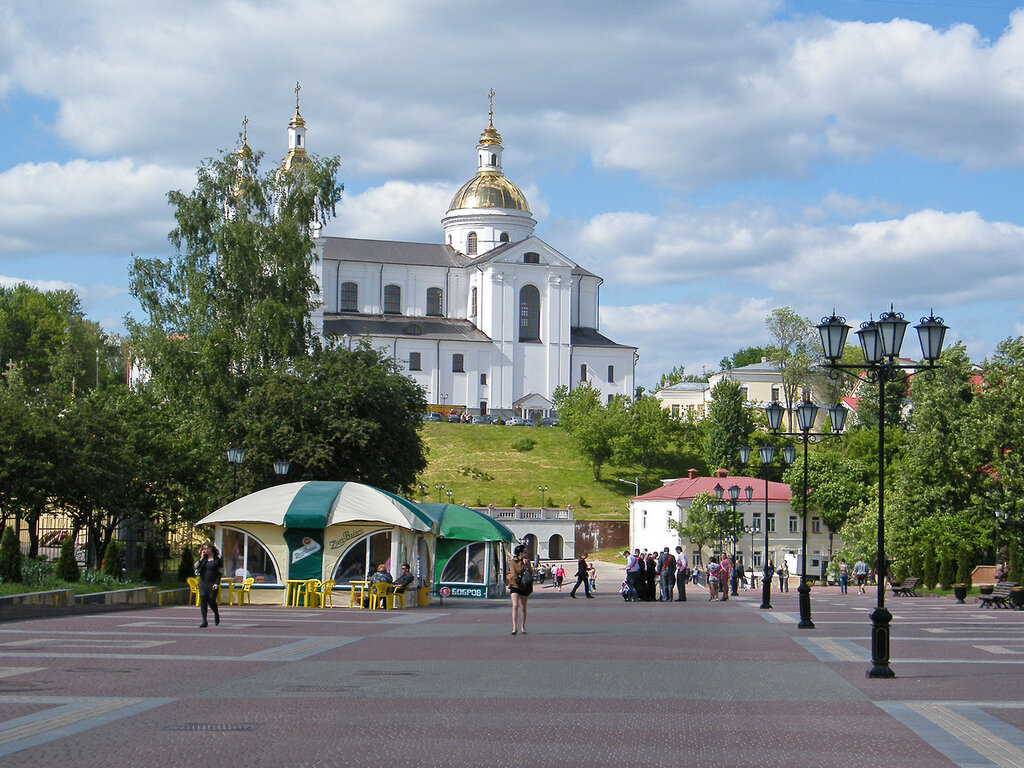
(654, 576)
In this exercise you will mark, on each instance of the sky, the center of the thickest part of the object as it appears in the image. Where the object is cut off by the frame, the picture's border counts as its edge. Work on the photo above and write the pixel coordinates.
(711, 161)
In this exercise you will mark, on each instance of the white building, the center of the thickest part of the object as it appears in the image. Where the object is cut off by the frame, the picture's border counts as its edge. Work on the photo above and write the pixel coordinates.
(490, 320)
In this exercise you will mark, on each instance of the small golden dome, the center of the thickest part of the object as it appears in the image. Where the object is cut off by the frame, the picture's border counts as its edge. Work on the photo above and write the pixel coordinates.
(490, 189)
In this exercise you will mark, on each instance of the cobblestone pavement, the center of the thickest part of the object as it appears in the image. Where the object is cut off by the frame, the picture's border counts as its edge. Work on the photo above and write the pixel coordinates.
(594, 683)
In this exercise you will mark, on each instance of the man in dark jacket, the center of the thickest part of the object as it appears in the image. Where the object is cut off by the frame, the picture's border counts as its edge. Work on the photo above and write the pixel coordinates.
(581, 577)
(667, 574)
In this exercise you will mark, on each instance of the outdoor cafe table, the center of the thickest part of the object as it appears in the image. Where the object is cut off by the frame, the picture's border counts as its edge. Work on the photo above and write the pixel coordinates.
(363, 586)
(293, 591)
(230, 584)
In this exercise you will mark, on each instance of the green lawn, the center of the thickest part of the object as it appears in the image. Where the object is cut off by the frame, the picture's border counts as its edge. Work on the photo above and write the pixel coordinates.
(478, 463)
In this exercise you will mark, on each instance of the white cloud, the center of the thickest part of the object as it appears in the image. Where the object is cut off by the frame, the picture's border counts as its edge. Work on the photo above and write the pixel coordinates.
(83, 206)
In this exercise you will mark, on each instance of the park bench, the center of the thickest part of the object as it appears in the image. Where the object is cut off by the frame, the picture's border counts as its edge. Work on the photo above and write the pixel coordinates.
(1000, 596)
(905, 588)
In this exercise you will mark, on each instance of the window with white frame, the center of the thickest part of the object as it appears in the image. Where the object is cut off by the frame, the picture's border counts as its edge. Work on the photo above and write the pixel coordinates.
(770, 523)
(246, 556)
(368, 552)
(793, 527)
(815, 525)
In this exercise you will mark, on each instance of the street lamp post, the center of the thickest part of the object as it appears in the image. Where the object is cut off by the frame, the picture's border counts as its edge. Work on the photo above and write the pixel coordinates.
(806, 414)
(752, 529)
(449, 493)
(767, 454)
(542, 489)
(999, 517)
(235, 457)
(281, 467)
(422, 489)
(438, 487)
(734, 495)
(635, 482)
(880, 341)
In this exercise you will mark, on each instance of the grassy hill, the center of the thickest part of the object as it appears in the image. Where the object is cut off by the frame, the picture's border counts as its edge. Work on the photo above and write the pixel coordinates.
(479, 464)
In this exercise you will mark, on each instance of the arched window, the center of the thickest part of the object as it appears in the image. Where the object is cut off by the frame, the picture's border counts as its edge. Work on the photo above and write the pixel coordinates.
(504, 237)
(349, 298)
(469, 565)
(245, 555)
(471, 244)
(434, 296)
(392, 299)
(369, 551)
(531, 258)
(472, 303)
(529, 313)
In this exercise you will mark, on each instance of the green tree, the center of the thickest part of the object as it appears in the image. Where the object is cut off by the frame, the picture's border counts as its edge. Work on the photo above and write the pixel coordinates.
(947, 570)
(113, 560)
(727, 425)
(836, 484)
(1016, 561)
(237, 296)
(186, 564)
(794, 351)
(338, 414)
(931, 568)
(592, 427)
(746, 356)
(700, 526)
(67, 566)
(10, 557)
(964, 566)
(649, 432)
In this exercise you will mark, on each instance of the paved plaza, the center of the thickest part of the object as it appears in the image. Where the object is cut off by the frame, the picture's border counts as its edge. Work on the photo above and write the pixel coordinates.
(594, 683)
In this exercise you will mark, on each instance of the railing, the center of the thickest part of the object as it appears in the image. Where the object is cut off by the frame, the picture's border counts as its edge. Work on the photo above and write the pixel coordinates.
(526, 513)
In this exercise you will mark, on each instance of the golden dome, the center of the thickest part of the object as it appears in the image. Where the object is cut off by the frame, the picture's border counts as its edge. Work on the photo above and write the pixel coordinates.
(490, 189)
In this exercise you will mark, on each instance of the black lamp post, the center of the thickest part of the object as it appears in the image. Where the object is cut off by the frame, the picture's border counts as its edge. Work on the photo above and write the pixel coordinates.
(449, 493)
(752, 529)
(438, 487)
(422, 489)
(235, 457)
(734, 495)
(880, 341)
(542, 489)
(281, 467)
(806, 414)
(767, 454)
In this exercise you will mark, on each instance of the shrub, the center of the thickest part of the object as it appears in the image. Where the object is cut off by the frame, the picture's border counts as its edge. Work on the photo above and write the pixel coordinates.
(36, 571)
(113, 560)
(581, 502)
(931, 569)
(10, 557)
(963, 566)
(152, 572)
(523, 444)
(1016, 562)
(67, 566)
(187, 564)
(947, 570)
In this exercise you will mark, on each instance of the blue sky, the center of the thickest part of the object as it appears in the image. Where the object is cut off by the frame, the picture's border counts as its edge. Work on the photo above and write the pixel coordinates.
(712, 161)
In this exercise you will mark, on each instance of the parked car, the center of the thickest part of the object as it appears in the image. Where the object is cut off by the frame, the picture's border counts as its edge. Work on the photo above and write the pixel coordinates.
(548, 423)
(454, 418)
(431, 416)
(516, 421)
(478, 419)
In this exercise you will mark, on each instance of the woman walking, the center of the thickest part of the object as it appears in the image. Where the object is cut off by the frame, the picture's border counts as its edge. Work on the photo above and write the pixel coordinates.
(520, 586)
(208, 569)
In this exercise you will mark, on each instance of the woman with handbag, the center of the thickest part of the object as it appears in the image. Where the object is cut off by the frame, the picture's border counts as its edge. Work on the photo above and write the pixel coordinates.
(520, 586)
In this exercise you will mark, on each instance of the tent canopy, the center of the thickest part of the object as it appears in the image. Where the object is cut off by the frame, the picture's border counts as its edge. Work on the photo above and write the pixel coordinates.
(458, 522)
(318, 504)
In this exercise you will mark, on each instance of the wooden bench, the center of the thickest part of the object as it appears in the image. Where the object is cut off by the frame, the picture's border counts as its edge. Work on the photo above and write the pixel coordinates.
(1000, 596)
(905, 588)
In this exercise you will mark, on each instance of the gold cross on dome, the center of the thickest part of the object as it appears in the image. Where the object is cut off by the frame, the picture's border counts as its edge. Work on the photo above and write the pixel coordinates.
(297, 89)
(245, 127)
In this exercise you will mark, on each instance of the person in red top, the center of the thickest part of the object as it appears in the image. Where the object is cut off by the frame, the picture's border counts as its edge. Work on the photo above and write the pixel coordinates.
(726, 568)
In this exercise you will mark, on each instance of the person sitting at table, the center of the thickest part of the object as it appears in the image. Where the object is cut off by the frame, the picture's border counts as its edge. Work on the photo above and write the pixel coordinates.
(377, 575)
(404, 580)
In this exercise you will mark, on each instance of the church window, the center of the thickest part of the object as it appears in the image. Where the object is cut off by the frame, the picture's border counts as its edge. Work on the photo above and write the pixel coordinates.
(583, 372)
(349, 301)
(434, 296)
(504, 237)
(458, 363)
(414, 362)
(494, 159)
(392, 299)
(483, 382)
(611, 374)
(531, 258)
(529, 313)
(471, 245)
(472, 303)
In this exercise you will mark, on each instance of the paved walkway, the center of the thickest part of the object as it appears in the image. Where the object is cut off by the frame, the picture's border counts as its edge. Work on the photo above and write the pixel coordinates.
(594, 683)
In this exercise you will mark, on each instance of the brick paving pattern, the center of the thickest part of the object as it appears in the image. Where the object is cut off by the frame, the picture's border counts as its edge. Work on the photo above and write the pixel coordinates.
(594, 683)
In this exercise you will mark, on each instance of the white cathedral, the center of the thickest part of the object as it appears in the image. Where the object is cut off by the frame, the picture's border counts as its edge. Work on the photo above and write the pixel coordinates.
(491, 321)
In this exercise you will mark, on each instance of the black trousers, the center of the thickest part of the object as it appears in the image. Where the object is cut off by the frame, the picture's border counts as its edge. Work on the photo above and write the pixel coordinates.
(585, 582)
(209, 599)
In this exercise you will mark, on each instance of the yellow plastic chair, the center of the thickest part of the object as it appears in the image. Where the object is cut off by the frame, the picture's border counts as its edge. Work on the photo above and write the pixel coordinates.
(382, 592)
(193, 590)
(398, 596)
(243, 593)
(309, 592)
(325, 594)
